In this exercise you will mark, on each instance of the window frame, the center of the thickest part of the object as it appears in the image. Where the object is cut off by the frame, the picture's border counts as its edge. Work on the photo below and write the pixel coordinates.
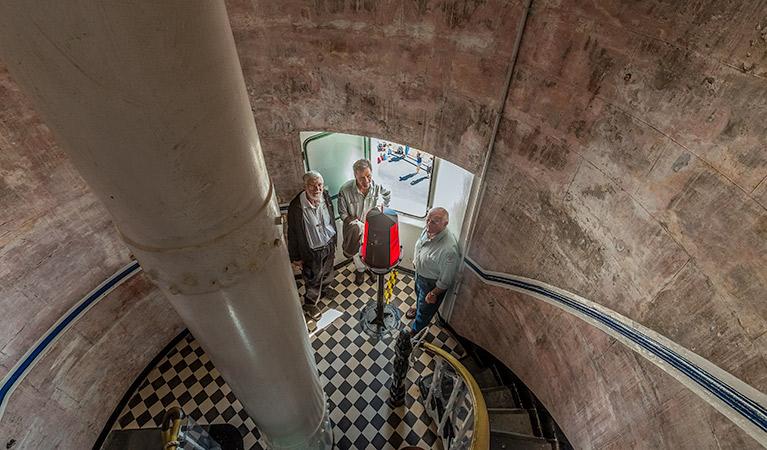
(366, 154)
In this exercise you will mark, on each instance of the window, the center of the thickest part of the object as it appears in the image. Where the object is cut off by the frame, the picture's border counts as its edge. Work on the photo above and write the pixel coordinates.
(332, 155)
(452, 191)
(406, 171)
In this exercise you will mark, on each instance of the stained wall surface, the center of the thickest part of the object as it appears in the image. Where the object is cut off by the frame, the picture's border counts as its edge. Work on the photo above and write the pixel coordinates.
(606, 395)
(57, 244)
(426, 74)
(628, 168)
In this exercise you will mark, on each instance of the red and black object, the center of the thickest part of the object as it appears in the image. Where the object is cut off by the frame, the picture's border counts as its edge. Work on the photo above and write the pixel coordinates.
(381, 252)
(380, 243)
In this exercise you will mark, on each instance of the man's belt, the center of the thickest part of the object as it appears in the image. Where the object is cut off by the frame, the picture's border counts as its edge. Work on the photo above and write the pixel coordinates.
(324, 246)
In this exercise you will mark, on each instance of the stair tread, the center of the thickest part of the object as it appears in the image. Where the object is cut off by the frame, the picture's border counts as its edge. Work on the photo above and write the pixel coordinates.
(498, 397)
(485, 378)
(479, 373)
(469, 362)
(506, 410)
(510, 420)
(516, 441)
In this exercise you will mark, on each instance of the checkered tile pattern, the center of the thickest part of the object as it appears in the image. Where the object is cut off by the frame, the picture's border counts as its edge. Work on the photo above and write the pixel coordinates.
(354, 368)
(186, 378)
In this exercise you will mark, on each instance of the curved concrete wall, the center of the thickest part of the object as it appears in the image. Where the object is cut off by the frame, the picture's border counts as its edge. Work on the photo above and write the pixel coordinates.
(628, 169)
(57, 244)
(427, 75)
(603, 394)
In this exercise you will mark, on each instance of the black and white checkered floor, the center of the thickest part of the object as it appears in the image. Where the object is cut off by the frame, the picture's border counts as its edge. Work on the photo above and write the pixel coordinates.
(355, 370)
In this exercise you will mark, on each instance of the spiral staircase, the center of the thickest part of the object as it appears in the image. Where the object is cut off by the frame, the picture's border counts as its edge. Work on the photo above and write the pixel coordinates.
(518, 420)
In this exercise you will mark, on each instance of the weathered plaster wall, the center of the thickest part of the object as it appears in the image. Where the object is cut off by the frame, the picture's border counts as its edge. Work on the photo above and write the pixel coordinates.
(427, 74)
(607, 396)
(629, 169)
(57, 243)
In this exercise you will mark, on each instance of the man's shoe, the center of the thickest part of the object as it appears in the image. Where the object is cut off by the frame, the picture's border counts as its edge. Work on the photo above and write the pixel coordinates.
(311, 324)
(410, 314)
(329, 294)
(359, 278)
(313, 311)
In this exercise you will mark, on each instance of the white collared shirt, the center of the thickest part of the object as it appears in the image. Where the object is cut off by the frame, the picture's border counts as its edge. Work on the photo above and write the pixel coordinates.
(317, 222)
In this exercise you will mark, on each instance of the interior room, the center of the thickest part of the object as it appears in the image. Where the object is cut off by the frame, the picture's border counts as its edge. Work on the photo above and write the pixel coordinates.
(602, 164)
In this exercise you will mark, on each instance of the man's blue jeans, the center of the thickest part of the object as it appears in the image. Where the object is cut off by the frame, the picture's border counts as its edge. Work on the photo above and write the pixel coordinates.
(425, 310)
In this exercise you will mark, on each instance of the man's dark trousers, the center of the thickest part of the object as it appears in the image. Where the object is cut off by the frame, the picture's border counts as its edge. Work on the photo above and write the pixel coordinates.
(318, 272)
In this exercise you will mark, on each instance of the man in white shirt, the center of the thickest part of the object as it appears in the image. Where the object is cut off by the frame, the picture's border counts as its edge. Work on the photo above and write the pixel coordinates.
(355, 198)
(436, 263)
(312, 240)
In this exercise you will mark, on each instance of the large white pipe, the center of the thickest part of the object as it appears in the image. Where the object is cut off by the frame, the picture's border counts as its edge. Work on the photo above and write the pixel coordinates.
(148, 100)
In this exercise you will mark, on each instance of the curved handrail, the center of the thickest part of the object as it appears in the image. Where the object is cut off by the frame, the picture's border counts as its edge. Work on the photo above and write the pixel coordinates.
(480, 439)
(171, 428)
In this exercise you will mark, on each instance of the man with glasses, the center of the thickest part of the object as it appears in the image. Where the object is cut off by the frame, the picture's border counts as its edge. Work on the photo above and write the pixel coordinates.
(436, 263)
(355, 198)
(312, 240)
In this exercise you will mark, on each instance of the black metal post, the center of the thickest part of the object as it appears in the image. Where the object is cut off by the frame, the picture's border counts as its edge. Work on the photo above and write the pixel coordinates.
(402, 349)
(380, 310)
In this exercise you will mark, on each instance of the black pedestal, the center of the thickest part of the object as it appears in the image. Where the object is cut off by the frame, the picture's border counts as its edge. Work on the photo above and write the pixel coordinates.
(378, 319)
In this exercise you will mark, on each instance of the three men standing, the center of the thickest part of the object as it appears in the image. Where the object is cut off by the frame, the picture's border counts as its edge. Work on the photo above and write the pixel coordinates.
(312, 240)
(355, 198)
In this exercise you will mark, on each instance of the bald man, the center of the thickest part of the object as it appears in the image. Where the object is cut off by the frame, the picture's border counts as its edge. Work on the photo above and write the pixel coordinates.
(436, 263)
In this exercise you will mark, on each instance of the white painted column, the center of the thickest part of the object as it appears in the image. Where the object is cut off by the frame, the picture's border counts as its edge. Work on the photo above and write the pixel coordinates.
(148, 100)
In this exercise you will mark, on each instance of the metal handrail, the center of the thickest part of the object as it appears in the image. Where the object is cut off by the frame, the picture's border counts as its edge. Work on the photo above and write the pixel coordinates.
(480, 439)
(171, 427)
(181, 432)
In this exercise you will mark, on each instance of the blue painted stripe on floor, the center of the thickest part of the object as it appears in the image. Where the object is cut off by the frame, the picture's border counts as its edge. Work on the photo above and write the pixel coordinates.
(15, 377)
(754, 412)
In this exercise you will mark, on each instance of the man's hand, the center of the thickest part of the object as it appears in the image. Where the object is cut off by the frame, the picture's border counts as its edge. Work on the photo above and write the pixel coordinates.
(299, 264)
(431, 297)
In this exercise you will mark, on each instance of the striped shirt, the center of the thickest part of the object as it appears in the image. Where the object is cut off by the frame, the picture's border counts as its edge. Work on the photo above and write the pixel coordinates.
(317, 222)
